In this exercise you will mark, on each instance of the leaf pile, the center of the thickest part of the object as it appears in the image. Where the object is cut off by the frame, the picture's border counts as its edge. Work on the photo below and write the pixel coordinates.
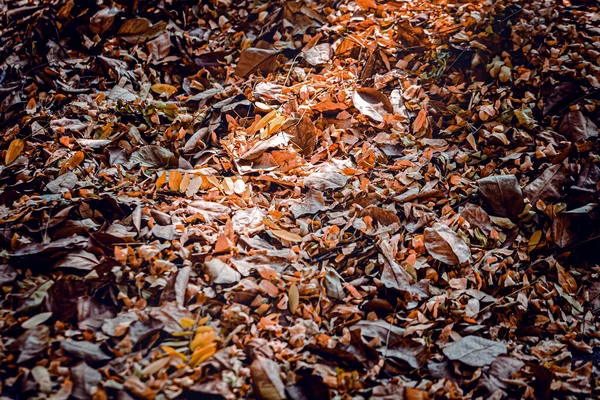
(304, 200)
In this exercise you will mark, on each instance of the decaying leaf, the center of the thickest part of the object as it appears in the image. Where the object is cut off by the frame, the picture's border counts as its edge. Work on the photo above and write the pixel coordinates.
(475, 351)
(503, 195)
(267, 380)
(445, 245)
(254, 59)
(372, 103)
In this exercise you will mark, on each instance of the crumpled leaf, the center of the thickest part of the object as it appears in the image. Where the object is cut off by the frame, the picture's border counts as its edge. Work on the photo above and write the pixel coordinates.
(221, 273)
(254, 59)
(475, 351)
(319, 54)
(445, 245)
(546, 187)
(138, 30)
(409, 351)
(267, 381)
(578, 127)
(154, 157)
(327, 177)
(103, 20)
(372, 103)
(303, 134)
(32, 343)
(503, 195)
(87, 351)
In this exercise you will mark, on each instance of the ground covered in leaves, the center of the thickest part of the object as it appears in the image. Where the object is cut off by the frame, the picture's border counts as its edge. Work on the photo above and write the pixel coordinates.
(305, 200)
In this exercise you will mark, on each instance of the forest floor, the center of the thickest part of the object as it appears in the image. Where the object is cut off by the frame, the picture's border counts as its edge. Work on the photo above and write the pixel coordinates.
(308, 200)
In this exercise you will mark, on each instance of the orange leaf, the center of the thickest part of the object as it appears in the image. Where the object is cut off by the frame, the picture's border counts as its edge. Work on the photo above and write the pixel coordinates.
(15, 148)
(285, 235)
(175, 178)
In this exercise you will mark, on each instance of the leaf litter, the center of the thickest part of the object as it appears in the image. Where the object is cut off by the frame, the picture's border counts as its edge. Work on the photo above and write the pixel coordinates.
(331, 199)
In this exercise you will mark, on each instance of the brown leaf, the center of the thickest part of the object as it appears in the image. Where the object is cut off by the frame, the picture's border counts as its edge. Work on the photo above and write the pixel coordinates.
(87, 351)
(372, 103)
(267, 381)
(409, 351)
(139, 30)
(382, 216)
(303, 134)
(445, 245)
(546, 187)
(85, 381)
(254, 59)
(294, 297)
(477, 217)
(503, 195)
(32, 343)
(578, 127)
(103, 20)
(154, 157)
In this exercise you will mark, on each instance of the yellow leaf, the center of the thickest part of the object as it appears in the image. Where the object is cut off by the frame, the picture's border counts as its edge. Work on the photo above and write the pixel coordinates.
(285, 235)
(202, 339)
(202, 354)
(174, 179)
(202, 329)
(534, 240)
(161, 180)
(186, 322)
(264, 121)
(161, 88)
(15, 148)
(294, 298)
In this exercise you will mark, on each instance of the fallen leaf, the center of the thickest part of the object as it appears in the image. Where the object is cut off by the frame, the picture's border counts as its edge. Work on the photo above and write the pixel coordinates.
(372, 103)
(547, 186)
(14, 150)
(503, 195)
(267, 381)
(221, 273)
(254, 59)
(474, 351)
(445, 245)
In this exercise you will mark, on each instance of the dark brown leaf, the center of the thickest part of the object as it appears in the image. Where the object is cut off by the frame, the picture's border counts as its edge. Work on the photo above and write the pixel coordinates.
(103, 20)
(254, 59)
(503, 195)
(32, 343)
(547, 187)
(265, 374)
(86, 351)
(85, 381)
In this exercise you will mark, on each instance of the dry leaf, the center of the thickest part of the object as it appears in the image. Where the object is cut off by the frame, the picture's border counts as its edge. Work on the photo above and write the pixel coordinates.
(14, 150)
(253, 59)
(372, 103)
(445, 245)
